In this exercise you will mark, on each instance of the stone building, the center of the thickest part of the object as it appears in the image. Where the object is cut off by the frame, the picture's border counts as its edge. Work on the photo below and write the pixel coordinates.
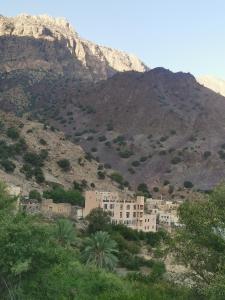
(123, 209)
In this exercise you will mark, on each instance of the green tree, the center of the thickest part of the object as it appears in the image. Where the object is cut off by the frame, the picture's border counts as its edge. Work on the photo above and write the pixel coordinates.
(64, 232)
(13, 133)
(98, 220)
(71, 196)
(34, 194)
(200, 243)
(64, 164)
(100, 251)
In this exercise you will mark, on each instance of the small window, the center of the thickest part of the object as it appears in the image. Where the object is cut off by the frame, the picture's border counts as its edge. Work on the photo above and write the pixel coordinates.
(127, 214)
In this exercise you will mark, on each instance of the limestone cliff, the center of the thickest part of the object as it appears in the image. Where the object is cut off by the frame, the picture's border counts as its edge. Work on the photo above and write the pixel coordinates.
(51, 44)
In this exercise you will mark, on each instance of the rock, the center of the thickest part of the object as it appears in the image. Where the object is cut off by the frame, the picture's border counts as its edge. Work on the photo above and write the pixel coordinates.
(43, 42)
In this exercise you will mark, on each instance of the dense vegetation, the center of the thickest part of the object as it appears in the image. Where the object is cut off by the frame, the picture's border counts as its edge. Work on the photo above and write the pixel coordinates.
(40, 260)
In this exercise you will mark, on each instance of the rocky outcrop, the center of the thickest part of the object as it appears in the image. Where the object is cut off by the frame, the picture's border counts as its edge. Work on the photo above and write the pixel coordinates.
(213, 83)
(51, 44)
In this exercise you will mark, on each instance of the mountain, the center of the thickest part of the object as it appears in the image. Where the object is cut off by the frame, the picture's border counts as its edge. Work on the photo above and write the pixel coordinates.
(213, 83)
(34, 140)
(42, 43)
(156, 127)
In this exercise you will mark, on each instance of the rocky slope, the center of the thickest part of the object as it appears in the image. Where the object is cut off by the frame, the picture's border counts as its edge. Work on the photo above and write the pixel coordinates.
(50, 44)
(153, 127)
(37, 138)
(213, 83)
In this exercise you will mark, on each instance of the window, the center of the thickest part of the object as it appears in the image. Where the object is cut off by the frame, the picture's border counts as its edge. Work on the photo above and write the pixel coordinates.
(111, 206)
(134, 206)
(127, 214)
(134, 214)
(105, 206)
(128, 207)
(121, 214)
(121, 206)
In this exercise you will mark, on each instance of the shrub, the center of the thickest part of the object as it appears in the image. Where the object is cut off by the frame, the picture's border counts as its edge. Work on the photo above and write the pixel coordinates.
(120, 140)
(125, 153)
(136, 163)
(64, 164)
(156, 189)
(34, 194)
(42, 142)
(206, 154)
(166, 182)
(8, 165)
(188, 184)
(143, 188)
(143, 158)
(101, 175)
(39, 175)
(117, 177)
(13, 133)
(109, 127)
(102, 138)
(176, 160)
(71, 196)
(162, 152)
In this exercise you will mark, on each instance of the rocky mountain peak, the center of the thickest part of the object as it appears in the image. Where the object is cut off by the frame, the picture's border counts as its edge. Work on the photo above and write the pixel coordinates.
(51, 43)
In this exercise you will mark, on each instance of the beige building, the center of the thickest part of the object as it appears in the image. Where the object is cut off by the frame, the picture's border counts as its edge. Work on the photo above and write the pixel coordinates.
(49, 208)
(123, 209)
(166, 212)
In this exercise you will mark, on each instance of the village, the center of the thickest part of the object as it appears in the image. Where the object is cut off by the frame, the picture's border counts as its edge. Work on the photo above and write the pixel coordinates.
(136, 212)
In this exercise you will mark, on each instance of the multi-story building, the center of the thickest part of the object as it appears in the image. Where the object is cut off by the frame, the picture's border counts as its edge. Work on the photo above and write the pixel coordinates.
(166, 212)
(123, 209)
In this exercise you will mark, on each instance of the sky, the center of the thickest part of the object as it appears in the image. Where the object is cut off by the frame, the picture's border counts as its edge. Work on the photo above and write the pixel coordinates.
(181, 35)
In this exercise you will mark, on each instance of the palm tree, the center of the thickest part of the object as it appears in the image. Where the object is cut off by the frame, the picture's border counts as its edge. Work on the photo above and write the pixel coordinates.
(64, 232)
(100, 251)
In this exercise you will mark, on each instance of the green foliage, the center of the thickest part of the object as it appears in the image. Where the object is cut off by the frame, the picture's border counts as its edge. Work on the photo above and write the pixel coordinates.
(43, 142)
(98, 220)
(206, 154)
(34, 194)
(13, 133)
(117, 177)
(120, 140)
(71, 196)
(143, 190)
(101, 175)
(188, 184)
(136, 163)
(176, 160)
(40, 260)
(8, 165)
(200, 242)
(64, 164)
(125, 153)
(64, 232)
(100, 251)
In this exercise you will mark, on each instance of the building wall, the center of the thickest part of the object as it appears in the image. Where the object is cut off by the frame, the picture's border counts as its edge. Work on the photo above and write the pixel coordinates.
(49, 208)
(127, 210)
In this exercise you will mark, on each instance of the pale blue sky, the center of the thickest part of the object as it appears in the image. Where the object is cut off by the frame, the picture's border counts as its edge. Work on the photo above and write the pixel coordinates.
(187, 35)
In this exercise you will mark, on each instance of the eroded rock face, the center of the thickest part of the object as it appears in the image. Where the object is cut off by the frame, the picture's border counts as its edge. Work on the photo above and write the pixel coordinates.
(51, 44)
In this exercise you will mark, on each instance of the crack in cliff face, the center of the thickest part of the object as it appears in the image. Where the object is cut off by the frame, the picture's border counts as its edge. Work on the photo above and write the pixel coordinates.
(93, 62)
